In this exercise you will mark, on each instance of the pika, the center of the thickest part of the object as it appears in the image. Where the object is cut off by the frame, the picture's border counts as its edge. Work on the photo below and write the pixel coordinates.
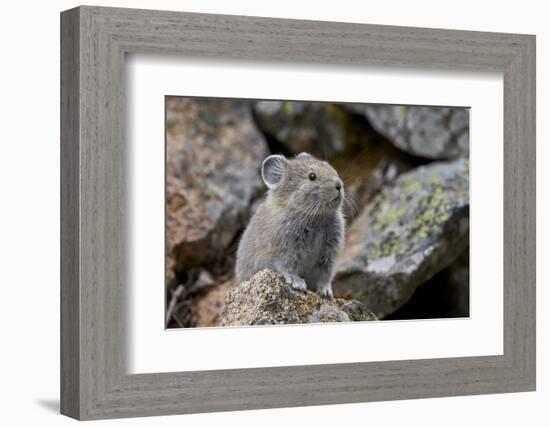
(298, 230)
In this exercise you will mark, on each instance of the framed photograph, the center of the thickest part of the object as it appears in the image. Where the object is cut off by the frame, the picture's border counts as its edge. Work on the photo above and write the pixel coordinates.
(261, 213)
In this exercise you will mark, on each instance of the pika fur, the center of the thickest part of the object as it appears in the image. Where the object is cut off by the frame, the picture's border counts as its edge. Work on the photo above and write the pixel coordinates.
(298, 230)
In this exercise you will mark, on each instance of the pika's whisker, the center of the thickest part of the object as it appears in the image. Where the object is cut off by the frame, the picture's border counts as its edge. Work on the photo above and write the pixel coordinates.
(351, 203)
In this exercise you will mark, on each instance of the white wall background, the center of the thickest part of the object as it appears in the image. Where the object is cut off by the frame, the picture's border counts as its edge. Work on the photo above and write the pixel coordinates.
(29, 212)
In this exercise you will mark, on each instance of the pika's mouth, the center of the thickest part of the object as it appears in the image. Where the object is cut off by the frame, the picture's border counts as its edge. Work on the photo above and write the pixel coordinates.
(334, 202)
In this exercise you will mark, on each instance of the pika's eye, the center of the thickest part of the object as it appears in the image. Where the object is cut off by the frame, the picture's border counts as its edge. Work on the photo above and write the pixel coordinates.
(312, 176)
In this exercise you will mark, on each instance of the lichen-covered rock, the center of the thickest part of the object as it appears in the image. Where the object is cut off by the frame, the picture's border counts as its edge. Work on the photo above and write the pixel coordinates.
(321, 129)
(430, 132)
(410, 231)
(266, 300)
(213, 155)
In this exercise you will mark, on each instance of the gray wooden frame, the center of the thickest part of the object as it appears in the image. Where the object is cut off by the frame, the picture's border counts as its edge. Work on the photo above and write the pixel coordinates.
(94, 41)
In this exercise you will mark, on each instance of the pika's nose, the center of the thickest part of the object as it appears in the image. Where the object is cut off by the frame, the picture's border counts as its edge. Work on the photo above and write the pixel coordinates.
(338, 186)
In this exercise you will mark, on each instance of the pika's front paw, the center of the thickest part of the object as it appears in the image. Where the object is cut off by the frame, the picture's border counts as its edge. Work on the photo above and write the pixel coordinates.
(296, 282)
(325, 291)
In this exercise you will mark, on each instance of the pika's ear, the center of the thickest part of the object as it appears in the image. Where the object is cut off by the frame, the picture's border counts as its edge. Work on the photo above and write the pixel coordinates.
(272, 170)
(304, 156)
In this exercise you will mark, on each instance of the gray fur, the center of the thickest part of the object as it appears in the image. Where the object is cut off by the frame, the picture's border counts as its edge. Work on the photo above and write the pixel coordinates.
(298, 230)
